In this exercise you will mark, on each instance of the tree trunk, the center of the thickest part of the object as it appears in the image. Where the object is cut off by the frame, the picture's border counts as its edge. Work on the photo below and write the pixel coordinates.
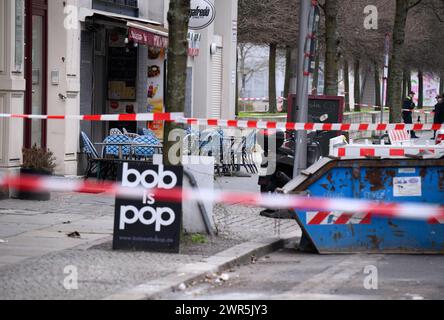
(331, 47)
(272, 79)
(178, 20)
(378, 99)
(406, 83)
(347, 85)
(288, 52)
(394, 83)
(420, 89)
(441, 83)
(357, 86)
(315, 84)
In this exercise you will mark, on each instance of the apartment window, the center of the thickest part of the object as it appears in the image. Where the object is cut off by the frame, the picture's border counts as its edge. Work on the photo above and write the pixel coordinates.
(124, 7)
(19, 34)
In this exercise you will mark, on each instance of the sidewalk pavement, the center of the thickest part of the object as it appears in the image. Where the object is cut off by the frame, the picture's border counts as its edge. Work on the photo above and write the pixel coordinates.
(35, 247)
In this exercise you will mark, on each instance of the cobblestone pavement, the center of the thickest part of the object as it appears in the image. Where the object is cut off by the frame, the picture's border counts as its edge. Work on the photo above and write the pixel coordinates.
(36, 249)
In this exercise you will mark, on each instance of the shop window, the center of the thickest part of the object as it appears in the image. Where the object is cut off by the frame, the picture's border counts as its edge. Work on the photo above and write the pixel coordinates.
(124, 7)
(19, 34)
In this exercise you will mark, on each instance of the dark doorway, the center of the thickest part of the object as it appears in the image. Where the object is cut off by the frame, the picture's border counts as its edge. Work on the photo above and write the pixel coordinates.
(36, 52)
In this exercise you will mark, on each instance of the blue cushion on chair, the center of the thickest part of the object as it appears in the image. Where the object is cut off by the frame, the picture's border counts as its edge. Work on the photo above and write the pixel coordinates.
(146, 151)
(114, 150)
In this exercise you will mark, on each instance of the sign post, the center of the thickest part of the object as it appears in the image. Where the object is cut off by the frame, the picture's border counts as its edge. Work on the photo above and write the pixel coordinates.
(146, 223)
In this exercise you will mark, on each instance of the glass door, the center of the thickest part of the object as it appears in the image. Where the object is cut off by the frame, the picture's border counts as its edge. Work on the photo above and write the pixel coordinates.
(35, 130)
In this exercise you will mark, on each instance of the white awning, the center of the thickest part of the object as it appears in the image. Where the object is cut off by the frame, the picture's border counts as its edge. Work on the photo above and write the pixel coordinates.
(160, 31)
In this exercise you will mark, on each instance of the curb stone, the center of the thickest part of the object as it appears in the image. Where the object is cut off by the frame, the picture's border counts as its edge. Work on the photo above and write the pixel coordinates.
(195, 272)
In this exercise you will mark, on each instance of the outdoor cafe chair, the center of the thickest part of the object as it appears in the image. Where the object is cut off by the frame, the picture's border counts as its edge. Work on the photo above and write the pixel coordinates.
(210, 146)
(149, 133)
(115, 131)
(146, 152)
(114, 150)
(132, 136)
(248, 151)
(91, 153)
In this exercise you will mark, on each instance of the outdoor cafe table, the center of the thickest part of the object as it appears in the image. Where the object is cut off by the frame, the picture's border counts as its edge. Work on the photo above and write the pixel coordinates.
(132, 145)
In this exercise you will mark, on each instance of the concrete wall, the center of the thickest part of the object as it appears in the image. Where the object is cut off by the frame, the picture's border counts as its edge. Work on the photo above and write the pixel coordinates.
(225, 25)
(64, 57)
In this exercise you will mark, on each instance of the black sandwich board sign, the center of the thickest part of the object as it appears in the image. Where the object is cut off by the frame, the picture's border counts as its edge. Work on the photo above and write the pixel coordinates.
(147, 223)
(333, 106)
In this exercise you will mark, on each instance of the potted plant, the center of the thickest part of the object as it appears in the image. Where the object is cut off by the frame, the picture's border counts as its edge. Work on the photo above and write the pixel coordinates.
(36, 161)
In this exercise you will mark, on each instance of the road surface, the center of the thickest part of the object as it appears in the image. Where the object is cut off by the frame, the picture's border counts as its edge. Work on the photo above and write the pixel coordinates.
(291, 275)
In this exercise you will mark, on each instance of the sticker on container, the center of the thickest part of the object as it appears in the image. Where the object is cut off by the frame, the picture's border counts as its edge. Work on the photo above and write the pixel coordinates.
(407, 187)
(407, 170)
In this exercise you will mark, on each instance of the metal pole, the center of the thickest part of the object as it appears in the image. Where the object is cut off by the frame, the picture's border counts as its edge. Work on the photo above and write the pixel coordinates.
(300, 161)
(385, 75)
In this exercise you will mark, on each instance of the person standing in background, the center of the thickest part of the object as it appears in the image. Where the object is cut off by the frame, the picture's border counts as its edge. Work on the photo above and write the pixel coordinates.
(407, 112)
(439, 112)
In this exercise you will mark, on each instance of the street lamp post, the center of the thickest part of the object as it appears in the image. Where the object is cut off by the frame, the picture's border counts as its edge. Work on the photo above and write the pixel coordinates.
(308, 19)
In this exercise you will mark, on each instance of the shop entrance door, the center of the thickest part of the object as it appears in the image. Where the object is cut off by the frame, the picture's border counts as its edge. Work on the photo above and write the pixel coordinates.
(36, 71)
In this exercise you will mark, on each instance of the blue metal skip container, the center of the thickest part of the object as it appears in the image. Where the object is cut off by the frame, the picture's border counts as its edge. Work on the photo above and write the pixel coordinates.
(380, 180)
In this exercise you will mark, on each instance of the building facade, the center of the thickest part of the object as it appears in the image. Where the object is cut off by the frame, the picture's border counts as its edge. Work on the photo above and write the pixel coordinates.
(85, 57)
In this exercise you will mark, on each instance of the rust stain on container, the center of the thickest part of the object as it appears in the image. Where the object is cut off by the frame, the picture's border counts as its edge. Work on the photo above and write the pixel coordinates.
(375, 241)
(423, 172)
(375, 178)
(337, 236)
(391, 173)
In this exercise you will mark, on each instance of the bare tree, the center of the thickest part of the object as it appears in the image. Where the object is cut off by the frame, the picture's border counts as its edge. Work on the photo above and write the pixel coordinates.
(178, 21)
(394, 84)
(331, 9)
(249, 64)
(288, 53)
(273, 23)
(272, 79)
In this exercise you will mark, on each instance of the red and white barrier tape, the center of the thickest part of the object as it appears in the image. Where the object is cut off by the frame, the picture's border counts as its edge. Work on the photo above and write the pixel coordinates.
(414, 211)
(107, 117)
(419, 111)
(260, 99)
(370, 106)
(243, 124)
(388, 152)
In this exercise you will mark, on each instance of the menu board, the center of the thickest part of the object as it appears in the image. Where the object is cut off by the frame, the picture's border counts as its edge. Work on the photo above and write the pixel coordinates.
(155, 89)
(318, 106)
